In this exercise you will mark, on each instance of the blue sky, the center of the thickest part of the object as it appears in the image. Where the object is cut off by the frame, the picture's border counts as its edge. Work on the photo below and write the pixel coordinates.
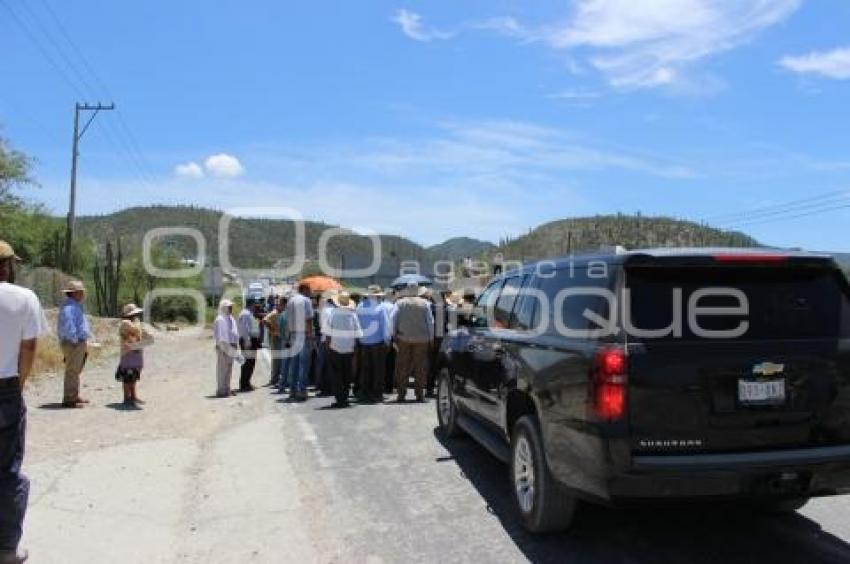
(439, 119)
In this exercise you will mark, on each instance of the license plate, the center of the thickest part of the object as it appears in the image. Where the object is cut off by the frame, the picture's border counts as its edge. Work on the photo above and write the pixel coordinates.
(761, 392)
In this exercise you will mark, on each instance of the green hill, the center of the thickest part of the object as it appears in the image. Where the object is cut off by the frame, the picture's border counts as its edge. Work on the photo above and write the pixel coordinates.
(253, 242)
(459, 247)
(567, 236)
(260, 243)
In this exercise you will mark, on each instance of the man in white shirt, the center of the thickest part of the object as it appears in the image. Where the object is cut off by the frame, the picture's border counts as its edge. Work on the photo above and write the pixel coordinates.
(22, 323)
(226, 337)
(343, 330)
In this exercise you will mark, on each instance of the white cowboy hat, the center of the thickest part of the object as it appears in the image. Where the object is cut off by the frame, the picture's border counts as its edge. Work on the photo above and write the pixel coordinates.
(130, 310)
(342, 299)
(74, 286)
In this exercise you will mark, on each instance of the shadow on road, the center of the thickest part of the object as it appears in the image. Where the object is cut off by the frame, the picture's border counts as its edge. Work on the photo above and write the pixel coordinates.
(681, 532)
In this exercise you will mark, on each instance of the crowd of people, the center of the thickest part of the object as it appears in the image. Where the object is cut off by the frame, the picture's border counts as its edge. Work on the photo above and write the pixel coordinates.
(342, 344)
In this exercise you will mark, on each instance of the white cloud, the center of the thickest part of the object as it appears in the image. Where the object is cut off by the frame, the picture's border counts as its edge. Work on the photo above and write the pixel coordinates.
(831, 64)
(411, 25)
(189, 170)
(478, 178)
(505, 25)
(574, 95)
(648, 43)
(223, 165)
(512, 151)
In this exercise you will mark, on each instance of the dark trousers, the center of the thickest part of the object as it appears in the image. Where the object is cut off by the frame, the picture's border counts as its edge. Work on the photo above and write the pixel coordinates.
(324, 370)
(342, 366)
(389, 374)
(250, 354)
(14, 486)
(373, 366)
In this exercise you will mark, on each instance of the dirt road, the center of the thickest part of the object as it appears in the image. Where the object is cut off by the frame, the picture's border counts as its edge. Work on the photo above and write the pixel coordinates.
(188, 478)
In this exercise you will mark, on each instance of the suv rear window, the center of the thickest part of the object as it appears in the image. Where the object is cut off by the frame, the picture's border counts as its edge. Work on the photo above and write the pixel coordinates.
(573, 309)
(784, 303)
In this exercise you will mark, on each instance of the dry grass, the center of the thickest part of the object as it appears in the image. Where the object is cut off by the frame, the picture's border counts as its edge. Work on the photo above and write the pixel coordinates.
(49, 359)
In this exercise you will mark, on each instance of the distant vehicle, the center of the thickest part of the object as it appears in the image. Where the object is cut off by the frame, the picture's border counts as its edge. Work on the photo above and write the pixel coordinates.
(255, 293)
(762, 416)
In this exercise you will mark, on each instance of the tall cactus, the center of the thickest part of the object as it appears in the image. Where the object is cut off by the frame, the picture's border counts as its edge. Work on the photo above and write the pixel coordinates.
(107, 280)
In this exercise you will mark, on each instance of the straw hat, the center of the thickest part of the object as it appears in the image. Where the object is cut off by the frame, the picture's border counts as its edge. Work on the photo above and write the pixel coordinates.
(130, 310)
(74, 286)
(7, 252)
(342, 299)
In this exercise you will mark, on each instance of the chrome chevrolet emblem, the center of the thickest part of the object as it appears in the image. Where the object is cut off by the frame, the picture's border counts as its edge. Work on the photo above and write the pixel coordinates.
(768, 369)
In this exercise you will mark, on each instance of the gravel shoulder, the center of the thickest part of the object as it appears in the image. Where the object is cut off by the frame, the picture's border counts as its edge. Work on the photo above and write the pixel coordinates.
(187, 478)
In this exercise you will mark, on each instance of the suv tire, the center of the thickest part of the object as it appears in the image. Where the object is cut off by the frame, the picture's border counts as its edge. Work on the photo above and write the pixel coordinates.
(446, 406)
(544, 504)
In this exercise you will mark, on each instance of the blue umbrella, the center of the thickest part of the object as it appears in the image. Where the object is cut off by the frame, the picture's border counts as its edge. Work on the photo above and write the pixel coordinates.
(406, 279)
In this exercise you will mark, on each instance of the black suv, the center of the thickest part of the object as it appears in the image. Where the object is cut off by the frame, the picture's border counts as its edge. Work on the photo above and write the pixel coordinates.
(669, 373)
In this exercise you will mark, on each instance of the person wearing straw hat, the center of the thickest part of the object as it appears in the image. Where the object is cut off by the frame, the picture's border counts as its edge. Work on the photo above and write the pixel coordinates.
(74, 335)
(387, 305)
(22, 324)
(343, 330)
(272, 322)
(226, 337)
(134, 339)
(413, 329)
(373, 345)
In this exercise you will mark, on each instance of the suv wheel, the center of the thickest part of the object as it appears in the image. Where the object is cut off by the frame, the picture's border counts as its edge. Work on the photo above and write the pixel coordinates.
(446, 407)
(543, 503)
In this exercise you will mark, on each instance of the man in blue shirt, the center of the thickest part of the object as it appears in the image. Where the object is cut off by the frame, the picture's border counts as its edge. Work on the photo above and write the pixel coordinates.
(74, 333)
(375, 324)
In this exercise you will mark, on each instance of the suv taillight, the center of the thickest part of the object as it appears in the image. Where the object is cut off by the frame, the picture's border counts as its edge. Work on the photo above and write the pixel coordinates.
(609, 384)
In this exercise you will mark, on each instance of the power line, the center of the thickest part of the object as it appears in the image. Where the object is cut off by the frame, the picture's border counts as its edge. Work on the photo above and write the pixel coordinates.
(799, 208)
(794, 214)
(778, 208)
(124, 133)
(59, 70)
(114, 135)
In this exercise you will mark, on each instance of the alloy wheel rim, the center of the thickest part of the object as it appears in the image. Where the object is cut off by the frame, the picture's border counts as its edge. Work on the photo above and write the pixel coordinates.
(524, 475)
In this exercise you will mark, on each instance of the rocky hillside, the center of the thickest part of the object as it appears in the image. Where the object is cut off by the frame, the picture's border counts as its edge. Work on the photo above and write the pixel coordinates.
(631, 231)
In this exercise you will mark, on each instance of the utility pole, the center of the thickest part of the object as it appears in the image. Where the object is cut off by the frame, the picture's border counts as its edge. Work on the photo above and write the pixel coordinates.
(72, 206)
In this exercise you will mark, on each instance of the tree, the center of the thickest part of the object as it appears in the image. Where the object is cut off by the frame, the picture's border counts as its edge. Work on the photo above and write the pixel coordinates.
(14, 171)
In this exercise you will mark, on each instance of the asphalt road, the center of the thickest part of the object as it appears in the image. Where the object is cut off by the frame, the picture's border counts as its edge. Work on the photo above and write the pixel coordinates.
(416, 497)
(258, 479)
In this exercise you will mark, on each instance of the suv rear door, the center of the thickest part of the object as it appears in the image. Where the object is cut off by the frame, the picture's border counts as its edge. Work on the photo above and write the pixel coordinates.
(783, 383)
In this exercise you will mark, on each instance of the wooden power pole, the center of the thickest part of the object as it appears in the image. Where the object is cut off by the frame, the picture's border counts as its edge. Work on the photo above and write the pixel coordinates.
(72, 205)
